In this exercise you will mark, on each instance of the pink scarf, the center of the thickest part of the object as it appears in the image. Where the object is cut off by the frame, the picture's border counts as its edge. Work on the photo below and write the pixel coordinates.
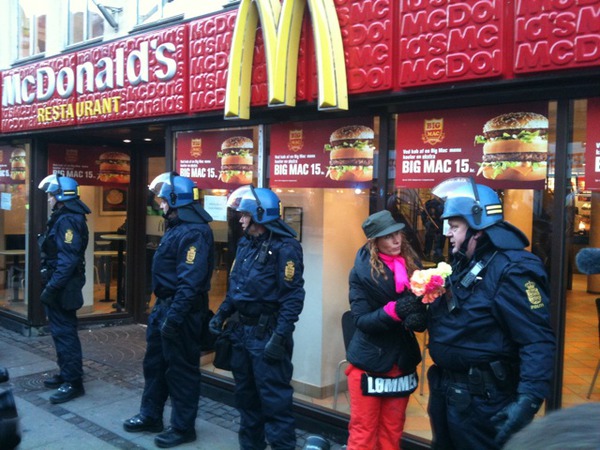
(398, 266)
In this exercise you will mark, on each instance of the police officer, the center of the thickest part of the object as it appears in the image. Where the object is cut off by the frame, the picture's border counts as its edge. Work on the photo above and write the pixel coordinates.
(490, 335)
(266, 291)
(181, 272)
(62, 250)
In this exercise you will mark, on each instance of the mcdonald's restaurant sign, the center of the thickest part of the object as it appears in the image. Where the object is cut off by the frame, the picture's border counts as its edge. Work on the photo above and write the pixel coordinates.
(278, 53)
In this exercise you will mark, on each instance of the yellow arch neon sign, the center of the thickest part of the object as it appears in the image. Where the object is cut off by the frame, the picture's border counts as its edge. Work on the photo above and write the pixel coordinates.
(281, 27)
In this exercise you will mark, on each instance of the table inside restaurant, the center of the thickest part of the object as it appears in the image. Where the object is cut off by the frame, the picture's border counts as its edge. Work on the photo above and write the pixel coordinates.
(120, 239)
(106, 256)
(16, 254)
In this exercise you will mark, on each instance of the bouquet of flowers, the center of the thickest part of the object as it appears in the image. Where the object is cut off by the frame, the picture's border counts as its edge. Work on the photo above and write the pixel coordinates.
(429, 283)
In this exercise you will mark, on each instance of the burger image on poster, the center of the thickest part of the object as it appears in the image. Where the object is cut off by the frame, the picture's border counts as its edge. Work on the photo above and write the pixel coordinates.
(515, 147)
(18, 164)
(236, 160)
(114, 167)
(351, 154)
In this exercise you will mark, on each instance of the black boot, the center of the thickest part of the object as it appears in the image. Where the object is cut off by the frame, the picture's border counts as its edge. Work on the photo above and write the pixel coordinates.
(67, 391)
(173, 438)
(141, 423)
(54, 382)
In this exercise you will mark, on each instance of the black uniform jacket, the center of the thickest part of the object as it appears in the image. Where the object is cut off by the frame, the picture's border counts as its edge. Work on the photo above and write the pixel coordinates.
(379, 341)
(502, 316)
(267, 277)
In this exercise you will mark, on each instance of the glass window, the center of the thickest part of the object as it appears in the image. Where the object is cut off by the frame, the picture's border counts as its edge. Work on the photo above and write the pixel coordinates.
(85, 21)
(581, 360)
(14, 225)
(32, 28)
(151, 10)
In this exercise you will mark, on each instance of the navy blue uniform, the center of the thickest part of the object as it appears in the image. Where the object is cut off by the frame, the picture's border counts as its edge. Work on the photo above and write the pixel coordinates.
(265, 281)
(62, 250)
(181, 272)
(490, 341)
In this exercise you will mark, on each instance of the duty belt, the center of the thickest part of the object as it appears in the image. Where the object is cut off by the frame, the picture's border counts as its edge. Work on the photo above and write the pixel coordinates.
(248, 320)
(479, 381)
(196, 305)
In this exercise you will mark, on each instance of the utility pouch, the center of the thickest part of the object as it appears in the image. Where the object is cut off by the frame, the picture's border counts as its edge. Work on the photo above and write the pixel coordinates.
(401, 386)
(458, 398)
(263, 325)
(223, 350)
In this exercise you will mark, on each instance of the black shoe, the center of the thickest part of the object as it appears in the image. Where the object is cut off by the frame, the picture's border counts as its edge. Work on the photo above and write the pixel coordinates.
(53, 382)
(67, 391)
(140, 423)
(172, 438)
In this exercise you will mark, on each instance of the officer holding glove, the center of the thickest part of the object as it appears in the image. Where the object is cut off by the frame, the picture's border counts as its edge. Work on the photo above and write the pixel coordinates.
(266, 292)
(62, 253)
(490, 335)
(181, 271)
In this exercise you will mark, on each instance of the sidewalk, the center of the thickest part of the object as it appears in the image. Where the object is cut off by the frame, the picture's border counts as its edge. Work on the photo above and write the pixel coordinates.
(113, 383)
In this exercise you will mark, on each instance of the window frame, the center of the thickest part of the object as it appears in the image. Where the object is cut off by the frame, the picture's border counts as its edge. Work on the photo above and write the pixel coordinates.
(34, 32)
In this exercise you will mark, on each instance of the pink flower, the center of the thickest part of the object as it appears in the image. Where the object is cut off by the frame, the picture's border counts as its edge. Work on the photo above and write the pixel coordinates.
(429, 283)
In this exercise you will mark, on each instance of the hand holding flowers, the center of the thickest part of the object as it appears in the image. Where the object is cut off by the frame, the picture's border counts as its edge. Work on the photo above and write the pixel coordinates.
(429, 283)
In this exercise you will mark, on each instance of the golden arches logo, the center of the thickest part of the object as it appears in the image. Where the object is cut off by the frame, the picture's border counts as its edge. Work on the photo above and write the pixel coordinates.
(281, 26)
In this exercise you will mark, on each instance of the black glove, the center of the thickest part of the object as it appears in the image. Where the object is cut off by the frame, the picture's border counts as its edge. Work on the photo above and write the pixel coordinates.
(416, 322)
(169, 330)
(275, 349)
(215, 326)
(515, 416)
(408, 303)
(49, 297)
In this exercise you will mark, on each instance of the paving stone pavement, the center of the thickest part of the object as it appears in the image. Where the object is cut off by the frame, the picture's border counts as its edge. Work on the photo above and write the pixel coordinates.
(113, 381)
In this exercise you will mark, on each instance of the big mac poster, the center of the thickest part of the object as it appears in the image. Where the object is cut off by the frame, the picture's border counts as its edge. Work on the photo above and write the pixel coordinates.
(324, 154)
(592, 146)
(13, 165)
(503, 146)
(220, 159)
(90, 166)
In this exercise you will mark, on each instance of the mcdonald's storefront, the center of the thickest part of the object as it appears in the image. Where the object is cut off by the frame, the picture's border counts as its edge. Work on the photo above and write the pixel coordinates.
(417, 81)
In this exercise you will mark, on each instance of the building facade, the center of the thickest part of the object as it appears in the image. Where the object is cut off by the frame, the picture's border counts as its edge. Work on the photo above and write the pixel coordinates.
(115, 93)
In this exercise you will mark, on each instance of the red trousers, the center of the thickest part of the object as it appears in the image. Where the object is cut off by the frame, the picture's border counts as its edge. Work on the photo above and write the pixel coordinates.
(376, 423)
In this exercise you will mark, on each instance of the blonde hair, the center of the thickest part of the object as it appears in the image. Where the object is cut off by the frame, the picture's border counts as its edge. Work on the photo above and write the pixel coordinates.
(406, 251)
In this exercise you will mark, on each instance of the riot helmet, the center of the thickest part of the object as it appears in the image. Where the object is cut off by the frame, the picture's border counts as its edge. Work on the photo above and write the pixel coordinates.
(262, 204)
(61, 187)
(175, 189)
(478, 204)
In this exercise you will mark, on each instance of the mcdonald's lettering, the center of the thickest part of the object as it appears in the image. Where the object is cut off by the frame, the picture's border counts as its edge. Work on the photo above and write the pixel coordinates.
(281, 26)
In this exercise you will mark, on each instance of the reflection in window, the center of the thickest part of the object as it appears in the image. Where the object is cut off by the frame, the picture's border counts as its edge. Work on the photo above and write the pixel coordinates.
(14, 205)
(151, 10)
(32, 28)
(85, 21)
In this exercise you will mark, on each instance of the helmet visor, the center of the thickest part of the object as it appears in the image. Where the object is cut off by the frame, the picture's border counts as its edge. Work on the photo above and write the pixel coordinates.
(158, 182)
(456, 187)
(48, 181)
(236, 196)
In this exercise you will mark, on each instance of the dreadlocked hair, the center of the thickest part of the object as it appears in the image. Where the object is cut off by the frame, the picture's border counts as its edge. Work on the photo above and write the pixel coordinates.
(406, 251)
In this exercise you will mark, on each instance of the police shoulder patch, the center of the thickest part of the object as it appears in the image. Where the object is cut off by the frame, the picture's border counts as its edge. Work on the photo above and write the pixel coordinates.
(533, 295)
(290, 270)
(69, 236)
(191, 255)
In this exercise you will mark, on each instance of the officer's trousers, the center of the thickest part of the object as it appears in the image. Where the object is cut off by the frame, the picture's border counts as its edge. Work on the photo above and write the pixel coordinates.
(171, 368)
(263, 393)
(63, 328)
(461, 420)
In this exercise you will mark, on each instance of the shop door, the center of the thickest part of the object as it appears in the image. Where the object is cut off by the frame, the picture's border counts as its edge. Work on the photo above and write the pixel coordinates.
(154, 227)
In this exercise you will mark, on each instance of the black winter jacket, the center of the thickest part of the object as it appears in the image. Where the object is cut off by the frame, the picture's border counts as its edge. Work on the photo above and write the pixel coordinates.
(379, 341)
